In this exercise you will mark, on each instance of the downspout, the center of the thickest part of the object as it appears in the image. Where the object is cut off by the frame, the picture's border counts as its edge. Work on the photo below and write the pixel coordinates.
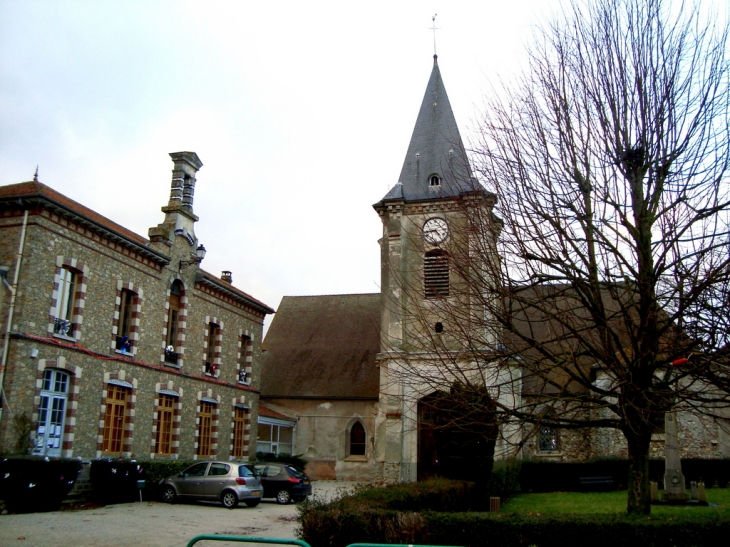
(13, 291)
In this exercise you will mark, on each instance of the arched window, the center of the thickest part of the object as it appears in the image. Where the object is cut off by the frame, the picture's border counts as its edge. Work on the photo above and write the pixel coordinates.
(436, 274)
(357, 440)
(51, 413)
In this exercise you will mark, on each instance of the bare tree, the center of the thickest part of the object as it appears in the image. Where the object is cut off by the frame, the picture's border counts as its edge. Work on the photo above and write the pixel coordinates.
(607, 158)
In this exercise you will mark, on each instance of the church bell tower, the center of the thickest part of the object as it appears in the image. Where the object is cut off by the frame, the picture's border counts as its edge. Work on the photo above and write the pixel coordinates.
(426, 229)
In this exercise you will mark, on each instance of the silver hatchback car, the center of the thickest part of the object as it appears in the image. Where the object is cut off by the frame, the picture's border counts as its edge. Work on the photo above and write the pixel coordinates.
(227, 482)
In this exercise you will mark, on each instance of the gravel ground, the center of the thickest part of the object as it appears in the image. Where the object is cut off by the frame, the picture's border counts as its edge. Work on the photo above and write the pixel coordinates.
(155, 524)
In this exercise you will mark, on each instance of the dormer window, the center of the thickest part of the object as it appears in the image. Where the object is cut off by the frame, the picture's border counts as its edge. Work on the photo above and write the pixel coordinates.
(434, 180)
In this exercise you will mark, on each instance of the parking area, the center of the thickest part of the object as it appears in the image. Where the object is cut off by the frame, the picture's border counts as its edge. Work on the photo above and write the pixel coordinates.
(154, 524)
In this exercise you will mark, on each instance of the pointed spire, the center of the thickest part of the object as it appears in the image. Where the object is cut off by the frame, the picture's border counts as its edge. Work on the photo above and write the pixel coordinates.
(35, 177)
(436, 165)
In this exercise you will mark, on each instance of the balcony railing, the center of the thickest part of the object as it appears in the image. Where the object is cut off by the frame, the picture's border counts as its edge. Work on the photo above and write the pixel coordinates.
(171, 356)
(62, 327)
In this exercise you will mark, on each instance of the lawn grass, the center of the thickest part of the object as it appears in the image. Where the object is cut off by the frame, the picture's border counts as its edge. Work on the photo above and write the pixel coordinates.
(606, 503)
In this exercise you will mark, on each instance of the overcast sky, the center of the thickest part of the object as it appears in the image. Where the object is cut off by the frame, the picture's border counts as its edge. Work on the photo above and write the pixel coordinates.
(301, 113)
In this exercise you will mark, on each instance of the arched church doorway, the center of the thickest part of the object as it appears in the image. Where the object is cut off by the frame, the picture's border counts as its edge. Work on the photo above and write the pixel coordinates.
(457, 433)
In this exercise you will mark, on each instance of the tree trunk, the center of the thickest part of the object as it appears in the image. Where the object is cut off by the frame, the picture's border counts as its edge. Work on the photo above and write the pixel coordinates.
(639, 495)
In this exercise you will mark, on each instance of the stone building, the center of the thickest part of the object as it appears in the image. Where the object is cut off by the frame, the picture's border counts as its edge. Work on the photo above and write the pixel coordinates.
(120, 345)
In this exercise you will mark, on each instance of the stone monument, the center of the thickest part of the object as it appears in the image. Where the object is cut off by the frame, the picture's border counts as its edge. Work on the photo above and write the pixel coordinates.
(674, 485)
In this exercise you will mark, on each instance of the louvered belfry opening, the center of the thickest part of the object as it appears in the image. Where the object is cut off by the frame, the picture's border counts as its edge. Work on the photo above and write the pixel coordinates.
(436, 274)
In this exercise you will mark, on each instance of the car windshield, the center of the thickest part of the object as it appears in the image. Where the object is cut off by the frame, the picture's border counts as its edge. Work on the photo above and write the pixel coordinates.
(246, 471)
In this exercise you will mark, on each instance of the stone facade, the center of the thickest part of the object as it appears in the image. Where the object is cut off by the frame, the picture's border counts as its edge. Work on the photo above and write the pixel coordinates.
(92, 309)
(321, 436)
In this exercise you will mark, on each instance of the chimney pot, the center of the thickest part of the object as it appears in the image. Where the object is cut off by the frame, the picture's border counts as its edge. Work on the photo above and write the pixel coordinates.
(227, 276)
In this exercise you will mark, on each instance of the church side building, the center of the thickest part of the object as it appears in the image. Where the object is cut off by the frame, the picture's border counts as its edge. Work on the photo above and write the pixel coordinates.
(119, 345)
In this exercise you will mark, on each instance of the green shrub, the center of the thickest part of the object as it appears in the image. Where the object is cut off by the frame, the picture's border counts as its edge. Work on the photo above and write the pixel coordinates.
(545, 476)
(156, 470)
(433, 494)
(338, 527)
(295, 461)
(505, 479)
(390, 514)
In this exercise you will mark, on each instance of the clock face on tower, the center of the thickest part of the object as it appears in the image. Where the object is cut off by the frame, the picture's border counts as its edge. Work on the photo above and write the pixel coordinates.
(435, 230)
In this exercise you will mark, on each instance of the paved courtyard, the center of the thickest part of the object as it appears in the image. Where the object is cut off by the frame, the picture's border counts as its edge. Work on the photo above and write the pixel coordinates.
(154, 524)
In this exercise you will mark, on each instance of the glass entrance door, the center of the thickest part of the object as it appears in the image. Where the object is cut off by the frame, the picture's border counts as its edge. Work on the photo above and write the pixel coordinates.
(51, 413)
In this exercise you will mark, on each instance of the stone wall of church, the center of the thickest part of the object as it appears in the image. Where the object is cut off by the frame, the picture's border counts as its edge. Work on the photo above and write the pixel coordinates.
(321, 436)
(699, 437)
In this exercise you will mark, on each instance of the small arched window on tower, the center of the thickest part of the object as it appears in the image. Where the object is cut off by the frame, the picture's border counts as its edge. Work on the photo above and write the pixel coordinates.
(436, 274)
(434, 180)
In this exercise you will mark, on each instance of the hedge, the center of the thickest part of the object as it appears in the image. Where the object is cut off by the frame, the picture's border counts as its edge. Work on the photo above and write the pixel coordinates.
(542, 476)
(36, 483)
(341, 527)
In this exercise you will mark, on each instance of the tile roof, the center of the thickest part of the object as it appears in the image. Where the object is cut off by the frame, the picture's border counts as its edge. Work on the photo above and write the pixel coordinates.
(218, 284)
(28, 190)
(271, 413)
(323, 347)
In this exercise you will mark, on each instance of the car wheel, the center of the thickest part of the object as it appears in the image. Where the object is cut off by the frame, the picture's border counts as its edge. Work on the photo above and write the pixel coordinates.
(252, 503)
(283, 497)
(169, 495)
(229, 499)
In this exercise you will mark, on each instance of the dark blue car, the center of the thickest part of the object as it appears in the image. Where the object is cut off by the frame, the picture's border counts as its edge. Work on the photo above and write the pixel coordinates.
(283, 482)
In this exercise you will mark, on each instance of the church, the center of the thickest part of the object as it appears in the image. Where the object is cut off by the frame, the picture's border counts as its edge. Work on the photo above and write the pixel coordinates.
(347, 379)
(337, 365)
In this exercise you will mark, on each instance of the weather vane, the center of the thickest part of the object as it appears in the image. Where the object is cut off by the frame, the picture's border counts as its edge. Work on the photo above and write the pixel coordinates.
(434, 28)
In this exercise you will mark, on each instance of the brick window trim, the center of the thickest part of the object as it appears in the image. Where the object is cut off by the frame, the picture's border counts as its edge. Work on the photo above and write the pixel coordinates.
(79, 297)
(74, 373)
(237, 405)
(128, 432)
(182, 320)
(207, 397)
(244, 358)
(134, 317)
(213, 368)
(167, 389)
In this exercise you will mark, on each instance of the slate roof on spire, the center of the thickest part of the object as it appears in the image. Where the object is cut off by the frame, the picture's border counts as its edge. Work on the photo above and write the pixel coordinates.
(435, 149)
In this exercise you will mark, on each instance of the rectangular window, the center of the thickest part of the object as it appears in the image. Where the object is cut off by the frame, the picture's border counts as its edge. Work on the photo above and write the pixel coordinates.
(163, 440)
(210, 364)
(548, 439)
(65, 302)
(116, 410)
(275, 439)
(205, 429)
(239, 431)
(125, 320)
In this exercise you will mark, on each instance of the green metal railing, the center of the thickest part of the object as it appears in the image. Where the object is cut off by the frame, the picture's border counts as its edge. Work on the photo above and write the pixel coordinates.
(247, 539)
(285, 541)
